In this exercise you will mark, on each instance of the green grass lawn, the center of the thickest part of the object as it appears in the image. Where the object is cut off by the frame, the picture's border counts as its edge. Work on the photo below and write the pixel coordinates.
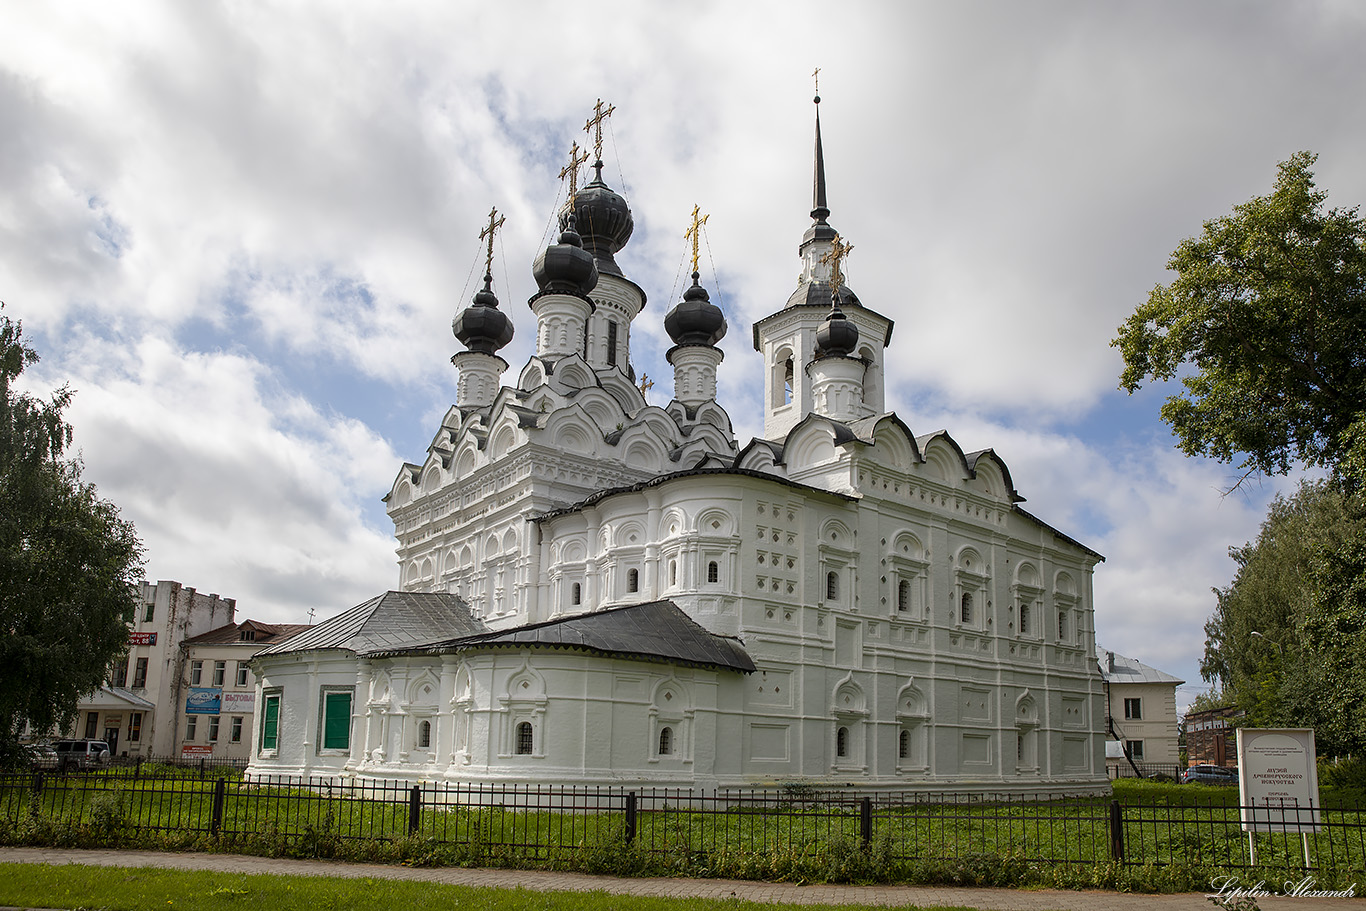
(1173, 835)
(140, 888)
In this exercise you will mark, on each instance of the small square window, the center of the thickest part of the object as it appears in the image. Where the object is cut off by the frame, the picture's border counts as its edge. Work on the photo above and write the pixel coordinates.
(196, 672)
(219, 671)
(1133, 709)
(242, 673)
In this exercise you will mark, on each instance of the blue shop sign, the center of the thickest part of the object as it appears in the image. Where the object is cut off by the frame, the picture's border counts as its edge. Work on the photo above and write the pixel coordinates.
(203, 700)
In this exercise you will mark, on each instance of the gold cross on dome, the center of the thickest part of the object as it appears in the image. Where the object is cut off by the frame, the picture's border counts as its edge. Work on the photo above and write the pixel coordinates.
(695, 232)
(594, 125)
(816, 75)
(646, 384)
(571, 170)
(839, 250)
(495, 222)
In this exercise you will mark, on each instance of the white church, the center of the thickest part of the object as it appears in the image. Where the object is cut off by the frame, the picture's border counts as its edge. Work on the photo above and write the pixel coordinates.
(597, 590)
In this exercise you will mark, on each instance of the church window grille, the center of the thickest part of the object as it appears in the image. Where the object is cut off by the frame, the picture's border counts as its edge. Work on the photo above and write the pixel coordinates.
(424, 734)
(1024, 618)
(525, 740)
(633, 580)
(842, 742)
(832, 586)
(576, 594)
(713, 572)
(1062, 626)
(666, 741)
(903, 595)
(965, 608)
(611, 343)
(904, 745)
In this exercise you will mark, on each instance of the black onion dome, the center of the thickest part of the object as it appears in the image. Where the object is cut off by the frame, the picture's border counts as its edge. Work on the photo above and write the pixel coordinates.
(837, 336)
(695, 320)
(482, 327)
(566, 267)
(604, 220)
(818, 294)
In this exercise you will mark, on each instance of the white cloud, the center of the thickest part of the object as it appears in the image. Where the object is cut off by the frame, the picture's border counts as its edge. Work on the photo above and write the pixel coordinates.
(232, 483)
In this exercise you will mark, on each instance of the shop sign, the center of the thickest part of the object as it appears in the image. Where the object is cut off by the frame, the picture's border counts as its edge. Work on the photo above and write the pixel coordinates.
(195, 751)
(203, 700)
(238, 703)
(142, 638)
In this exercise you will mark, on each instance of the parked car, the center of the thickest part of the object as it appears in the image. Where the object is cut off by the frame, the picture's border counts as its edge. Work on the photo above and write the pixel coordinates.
(42, 756)
(1209, 774)
(81, 754)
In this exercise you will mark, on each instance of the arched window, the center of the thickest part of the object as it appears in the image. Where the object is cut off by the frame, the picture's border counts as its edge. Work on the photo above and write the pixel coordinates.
(673, 572)
(1024, 618)
(612, 343)
(666, 741)
(787, 382)
(842, 742)
(713, 572)
(832, 586)
(524, 739)
(424, 734)
(965, 610)
(633, 580)
(904, 745)
(903, 595)
(576, 594)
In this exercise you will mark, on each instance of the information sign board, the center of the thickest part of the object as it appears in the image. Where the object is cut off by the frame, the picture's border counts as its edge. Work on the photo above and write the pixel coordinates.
(203, 700)
(1278, 780)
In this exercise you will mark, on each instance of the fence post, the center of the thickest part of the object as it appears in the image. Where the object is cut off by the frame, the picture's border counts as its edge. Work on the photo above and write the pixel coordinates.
(865, 820)
(1116, 832)
(414, 809)
(220, 793)
(630, 817)
(38, 783)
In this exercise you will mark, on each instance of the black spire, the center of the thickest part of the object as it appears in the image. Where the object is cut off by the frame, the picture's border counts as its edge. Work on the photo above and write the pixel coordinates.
(819, 211)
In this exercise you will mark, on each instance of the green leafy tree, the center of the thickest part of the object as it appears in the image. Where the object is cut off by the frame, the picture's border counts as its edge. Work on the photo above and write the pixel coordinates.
(68, 563)
(1286, 640)
(1265, 325)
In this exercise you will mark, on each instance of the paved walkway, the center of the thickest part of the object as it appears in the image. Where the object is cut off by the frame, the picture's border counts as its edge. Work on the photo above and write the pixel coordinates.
(541, 881)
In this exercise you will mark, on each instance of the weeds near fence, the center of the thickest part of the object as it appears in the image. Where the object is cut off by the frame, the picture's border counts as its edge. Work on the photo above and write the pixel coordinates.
(1154, 839)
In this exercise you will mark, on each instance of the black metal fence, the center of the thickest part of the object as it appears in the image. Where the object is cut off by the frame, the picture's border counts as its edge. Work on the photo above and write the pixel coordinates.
(521, 823)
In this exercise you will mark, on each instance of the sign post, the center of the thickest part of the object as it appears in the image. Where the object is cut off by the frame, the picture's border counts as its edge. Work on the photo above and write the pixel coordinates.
(1278, 783)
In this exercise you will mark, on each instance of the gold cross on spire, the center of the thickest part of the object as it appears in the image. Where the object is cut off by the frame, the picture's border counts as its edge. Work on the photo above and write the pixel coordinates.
(695, 232)
(594, 125)
(816, 75)
(838, 251)
(495, 222)
(646, 384)
(571, 170)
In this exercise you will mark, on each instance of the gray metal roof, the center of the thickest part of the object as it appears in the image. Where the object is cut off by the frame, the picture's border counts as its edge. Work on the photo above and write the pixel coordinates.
(391, 621)
(1115, 668)
(653, 631)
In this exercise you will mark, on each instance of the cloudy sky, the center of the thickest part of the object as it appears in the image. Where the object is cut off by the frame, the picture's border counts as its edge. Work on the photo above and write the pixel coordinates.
(240, 231)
